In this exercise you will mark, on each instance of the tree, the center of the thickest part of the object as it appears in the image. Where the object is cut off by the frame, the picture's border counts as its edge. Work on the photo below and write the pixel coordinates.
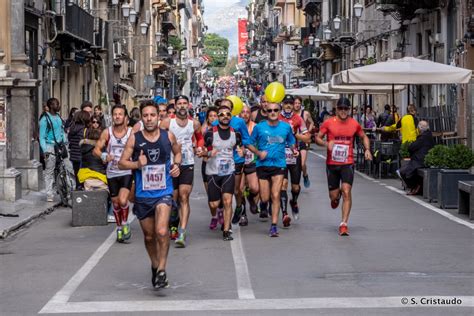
(216, 47)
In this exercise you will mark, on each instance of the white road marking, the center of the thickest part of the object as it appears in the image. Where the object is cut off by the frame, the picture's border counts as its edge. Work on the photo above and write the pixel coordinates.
(433, 208)
(414, 199)
(257, 304)
(244, 286)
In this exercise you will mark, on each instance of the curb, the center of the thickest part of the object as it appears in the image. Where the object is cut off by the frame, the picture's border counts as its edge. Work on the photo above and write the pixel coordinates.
(27, 220)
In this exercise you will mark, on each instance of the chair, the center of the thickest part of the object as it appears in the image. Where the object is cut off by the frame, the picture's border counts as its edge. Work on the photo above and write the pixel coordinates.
(389, 152)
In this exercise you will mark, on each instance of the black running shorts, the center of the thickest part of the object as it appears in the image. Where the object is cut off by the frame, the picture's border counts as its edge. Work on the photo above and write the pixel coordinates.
(218, 185)
(203, 171)
(117, 183)
(250, 168)
(239, 168)
(186, 176)
(266, 173)
(145, 207)
(295, 171)
(338, 174)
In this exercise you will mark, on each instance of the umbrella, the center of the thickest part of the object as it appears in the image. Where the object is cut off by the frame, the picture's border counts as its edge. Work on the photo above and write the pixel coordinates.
(329, 87)
(313, 93)
(407, 70)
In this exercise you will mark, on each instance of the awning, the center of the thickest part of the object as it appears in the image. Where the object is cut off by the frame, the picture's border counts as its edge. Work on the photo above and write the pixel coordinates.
(313, 93)
(329, 87)
(130, 90)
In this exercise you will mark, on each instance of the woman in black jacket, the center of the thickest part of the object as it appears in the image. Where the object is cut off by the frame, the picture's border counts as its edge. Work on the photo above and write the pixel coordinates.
(75, 135)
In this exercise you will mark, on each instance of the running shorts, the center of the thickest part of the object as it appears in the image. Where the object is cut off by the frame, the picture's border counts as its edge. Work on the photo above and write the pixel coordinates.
(303, 146)
(145, 207)
(295, 171)
(117, 183)
(218, 185)
(266, 173)
(186, 176)
(250, 168)
(339, 173)
(203, 171)
(239, 168)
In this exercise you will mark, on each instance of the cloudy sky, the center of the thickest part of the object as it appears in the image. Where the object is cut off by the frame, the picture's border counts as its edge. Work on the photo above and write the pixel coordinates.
(221, 17)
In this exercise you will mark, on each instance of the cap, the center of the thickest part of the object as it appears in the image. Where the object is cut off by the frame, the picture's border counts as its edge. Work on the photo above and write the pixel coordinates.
(288, 99)
(343, 103)
(181, 96)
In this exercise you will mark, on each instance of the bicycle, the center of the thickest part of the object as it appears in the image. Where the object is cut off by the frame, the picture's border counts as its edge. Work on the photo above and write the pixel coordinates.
(63, 181)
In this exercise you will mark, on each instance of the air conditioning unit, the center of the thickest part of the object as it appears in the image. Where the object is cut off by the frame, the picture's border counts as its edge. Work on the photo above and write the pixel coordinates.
(69, 56)
(132, 67)
(117, 50)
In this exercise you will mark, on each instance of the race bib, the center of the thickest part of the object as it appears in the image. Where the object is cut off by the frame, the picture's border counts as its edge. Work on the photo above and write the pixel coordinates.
(116, 151)
(290, 158)
(249, 157)
(154, 177)
(224, 166)
(340, 153)
(187, 154)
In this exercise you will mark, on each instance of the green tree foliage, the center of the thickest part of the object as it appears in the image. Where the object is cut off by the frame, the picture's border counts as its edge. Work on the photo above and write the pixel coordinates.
(216, 47)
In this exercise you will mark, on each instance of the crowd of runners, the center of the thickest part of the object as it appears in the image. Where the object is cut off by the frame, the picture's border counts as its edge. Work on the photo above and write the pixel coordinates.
(252, 158)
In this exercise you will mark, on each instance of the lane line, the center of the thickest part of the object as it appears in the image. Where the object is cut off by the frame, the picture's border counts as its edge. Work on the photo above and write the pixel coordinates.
(258, 304)
(414, 199)
(244, 286)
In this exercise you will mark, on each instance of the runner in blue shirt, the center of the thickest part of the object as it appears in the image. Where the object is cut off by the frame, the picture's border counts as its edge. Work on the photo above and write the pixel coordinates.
(271, 137)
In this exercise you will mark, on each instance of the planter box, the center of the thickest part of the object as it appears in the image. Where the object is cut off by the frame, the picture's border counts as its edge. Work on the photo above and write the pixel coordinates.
(448, 186)
(430, 183)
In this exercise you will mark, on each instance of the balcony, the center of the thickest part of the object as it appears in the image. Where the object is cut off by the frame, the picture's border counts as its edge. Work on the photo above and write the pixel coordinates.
(77, 23)
(406, 9)
(100, 34)
(312, 7)
(308, 56)
(168, 22)
(280, 33)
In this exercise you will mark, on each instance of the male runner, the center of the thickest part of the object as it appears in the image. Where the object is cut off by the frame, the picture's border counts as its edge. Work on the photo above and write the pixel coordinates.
(148, 153)
(260, 114)
(293, 163)
(119, 181)
(184, 128)
(340, 132)
(271, 137)
(220, 143)
(304, 146)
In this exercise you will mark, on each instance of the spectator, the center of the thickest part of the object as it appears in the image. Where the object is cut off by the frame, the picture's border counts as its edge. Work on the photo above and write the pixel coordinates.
(323, 114)
(70, 119)
(134, 116)
(384, 116)
(368, 118)
(418, 150)
(100, 115)
(87, 106)
(407, 125)
(92, 173)
(76, 133)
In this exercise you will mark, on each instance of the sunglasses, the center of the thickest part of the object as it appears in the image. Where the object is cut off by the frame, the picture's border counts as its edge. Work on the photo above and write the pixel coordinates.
(95, 122)
(226, 114)
(342, 109)
(273, 110)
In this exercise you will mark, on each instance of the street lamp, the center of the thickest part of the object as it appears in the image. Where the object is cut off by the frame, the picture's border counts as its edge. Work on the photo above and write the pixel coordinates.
(337, 23)
(317, 42)
(170, 50)
(311, 39)
(115, 2)
(327, 34)
(125, 10)
(144, 28)
(158, 37)
(132, 17)
(358, 8)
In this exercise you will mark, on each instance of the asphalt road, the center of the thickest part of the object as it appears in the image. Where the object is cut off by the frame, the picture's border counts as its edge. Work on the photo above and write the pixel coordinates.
(398, 252)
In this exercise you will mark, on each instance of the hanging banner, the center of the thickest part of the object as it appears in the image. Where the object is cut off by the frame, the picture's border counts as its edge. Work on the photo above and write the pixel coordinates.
(3, 122)
(243, 37)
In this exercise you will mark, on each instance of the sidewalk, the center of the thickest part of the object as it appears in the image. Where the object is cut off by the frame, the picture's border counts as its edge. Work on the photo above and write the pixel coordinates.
(31, 206)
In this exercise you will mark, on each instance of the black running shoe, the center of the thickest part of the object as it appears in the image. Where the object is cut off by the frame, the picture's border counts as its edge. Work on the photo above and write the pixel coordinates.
(243, 220)
(263, 215)
(237, 213)
(227, 236)
(161, 280)
(154, 271)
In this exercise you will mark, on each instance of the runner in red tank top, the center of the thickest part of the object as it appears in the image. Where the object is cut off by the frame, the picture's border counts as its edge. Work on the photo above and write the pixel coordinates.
(340, 132)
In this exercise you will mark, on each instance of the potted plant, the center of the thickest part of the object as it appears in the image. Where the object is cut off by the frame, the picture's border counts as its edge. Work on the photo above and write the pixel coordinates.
(434, 161)
(457, 162)
(404, 153)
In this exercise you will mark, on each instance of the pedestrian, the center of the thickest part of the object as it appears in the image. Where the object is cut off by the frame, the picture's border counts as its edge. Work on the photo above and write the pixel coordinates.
(407, 125)
(100, 115)
(304, 146)
(88, 107)
(82, 120)
(52, 138)
(109, 148)
(70, 119)
(268, 141)
(340, 132)
(148, 153)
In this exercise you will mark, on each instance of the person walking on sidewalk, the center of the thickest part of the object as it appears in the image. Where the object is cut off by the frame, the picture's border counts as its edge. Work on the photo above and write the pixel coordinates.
(52, 138)
(340, 132)
(113, 139)
(148, 153)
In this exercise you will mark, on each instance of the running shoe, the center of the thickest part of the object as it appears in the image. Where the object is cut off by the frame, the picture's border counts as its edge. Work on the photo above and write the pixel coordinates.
(161, 280)
(295, 210)
(236, 217)
(343, 230)
(246, 192)
(263, 215)
(174, 233)
(335, 203)
(213, 224)
(230, 228)
(227, 236)
(154, 271)
(120, 234)
(220, 216)
(286, 221)
(127, 233)
(306, 181)
(243, 220)
(180, 242)
(253, 207)
(273, 231)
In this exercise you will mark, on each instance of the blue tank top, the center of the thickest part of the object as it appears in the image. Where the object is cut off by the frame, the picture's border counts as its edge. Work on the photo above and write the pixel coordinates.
(154, 179)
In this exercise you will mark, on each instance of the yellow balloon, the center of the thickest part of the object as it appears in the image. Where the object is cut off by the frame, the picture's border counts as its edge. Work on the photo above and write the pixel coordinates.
(238, 104)
(275, 92)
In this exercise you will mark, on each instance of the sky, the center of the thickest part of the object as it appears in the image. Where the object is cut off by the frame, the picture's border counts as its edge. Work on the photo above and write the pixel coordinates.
(221, 17)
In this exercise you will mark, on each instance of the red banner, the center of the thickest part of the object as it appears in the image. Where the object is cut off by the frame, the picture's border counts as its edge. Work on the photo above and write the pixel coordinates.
(243, 37)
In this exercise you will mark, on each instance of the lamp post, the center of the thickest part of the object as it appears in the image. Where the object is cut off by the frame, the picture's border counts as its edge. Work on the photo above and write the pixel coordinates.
(158, 37)
(132, 17)
(144, 28)
(311, 40)
(115, 2)
(358, 8)
(317, 42)
(337, 23)
(327, 34)
(126, 10)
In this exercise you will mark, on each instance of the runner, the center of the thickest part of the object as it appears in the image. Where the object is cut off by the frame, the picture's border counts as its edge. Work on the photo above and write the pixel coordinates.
(113, 139)
(340, 132)
(260, 114)
(304, 146)
(239, 126)
(221, 141)
(293, 163)
(184, 128)
(162, 111)
(271, 137)
(148, 153)
(249, 179)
